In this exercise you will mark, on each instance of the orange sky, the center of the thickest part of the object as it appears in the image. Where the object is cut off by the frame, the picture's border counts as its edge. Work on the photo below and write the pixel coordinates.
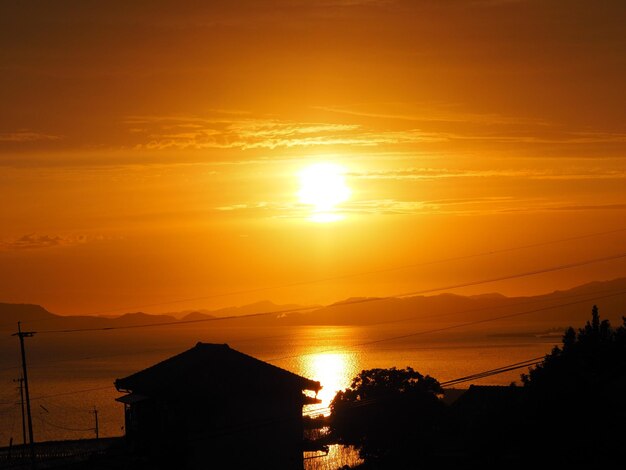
(149, 150)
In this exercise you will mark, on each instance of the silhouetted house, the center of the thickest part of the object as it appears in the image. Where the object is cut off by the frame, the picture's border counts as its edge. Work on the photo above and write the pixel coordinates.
(484, 423)
(213, 406)
(482, 400)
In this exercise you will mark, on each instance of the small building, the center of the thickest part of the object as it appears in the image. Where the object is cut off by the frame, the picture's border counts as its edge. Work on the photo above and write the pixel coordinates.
(485, 426)
(214, 407)
(480, 401)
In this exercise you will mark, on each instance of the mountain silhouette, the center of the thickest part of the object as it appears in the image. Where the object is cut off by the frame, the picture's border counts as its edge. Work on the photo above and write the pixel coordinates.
(195, 316)
(571, 307)
(12, 313)
(535, 315)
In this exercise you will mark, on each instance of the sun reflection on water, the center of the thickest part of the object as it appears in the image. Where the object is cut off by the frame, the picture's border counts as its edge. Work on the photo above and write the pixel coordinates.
(333, 370)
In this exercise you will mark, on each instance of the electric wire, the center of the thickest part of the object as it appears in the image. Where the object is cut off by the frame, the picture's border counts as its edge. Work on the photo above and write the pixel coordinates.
(456, 381)
(349, 302)
(367, 343)
(460, 312)
(41, 397)
(366, 273)
(65, 428)
(446, 328)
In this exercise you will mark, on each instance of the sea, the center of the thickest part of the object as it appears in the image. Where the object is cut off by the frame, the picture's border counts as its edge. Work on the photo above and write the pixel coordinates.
(71, 375)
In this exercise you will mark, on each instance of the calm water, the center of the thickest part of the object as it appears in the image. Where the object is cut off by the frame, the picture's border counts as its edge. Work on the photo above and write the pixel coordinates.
(63, 364)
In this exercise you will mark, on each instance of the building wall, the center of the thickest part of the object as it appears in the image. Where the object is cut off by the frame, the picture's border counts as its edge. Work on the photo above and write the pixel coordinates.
(238, 430)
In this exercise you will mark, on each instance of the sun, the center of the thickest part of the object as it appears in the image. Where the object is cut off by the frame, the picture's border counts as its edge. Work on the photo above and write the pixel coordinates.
(323, 186)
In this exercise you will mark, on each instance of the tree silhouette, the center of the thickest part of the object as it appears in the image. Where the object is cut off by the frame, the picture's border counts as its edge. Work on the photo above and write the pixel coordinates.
(590, 359)
(389, 414)
(581, 386)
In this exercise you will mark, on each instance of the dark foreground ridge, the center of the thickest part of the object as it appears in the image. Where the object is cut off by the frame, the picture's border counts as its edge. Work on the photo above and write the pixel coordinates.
(570, 411)
(214, 406)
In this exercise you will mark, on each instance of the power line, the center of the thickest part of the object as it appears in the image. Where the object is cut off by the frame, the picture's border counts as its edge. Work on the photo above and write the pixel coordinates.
(476, 376)
(509, 369)
(72, 392)
(513, 276)
(351, 302)
(445, 328)
(65, 428)
(522, 364)
(242, 427)
(313, 411)
(493, 307)
(87, 358)
(479, 375)
(407, 319)
(365, 273)
(436, 330)
(66, 408)
(271, 420)
(108, 387)
(496, 371)
(366, 343)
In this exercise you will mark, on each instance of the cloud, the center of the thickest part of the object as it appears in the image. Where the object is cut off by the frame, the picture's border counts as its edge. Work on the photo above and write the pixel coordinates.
(561, 138)
(33, 241)
(368, 207)
(431, 113)
(390, 206)
(246, 206)
(470, 206)
(552, 206)
(440, 206)
(432, 174)
(238, 132)
(24, 135)
(444, 173)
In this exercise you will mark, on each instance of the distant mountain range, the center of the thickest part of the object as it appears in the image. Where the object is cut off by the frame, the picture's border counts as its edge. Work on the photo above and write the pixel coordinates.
(547, 312)
(32, 315)
(257, 307)
(562, 308)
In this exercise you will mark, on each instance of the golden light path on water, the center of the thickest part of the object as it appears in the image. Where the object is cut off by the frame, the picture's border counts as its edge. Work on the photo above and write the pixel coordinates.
(333, 370)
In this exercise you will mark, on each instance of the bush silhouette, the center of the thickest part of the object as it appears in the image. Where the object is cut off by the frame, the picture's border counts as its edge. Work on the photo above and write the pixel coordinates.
(389, 414)
(580, 388)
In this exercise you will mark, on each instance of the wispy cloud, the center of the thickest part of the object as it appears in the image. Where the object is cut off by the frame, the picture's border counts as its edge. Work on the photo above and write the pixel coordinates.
(370, 207)
(32, 241)
(25, 135)
(440, 206)
(432, 113)
(444, 173)
(555, 138)
(390, 206)
(248, 206)
(227, 132)
(471, 206)
(241, 131)
(560, 206)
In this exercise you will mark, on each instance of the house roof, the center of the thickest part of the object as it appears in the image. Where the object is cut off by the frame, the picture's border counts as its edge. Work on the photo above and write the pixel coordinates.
(212, 367)
(131, 399)
(488, 396)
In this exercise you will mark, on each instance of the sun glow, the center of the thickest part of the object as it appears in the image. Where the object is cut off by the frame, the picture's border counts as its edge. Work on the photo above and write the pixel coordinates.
(323, 186)
(332, 370)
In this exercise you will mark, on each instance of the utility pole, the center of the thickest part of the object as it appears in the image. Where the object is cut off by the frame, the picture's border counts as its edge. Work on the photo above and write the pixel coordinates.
(95, 414)
(21, 335)
(21, 382)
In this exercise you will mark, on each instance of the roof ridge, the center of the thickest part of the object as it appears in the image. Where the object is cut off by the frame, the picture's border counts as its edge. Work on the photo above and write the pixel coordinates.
(214, 356)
